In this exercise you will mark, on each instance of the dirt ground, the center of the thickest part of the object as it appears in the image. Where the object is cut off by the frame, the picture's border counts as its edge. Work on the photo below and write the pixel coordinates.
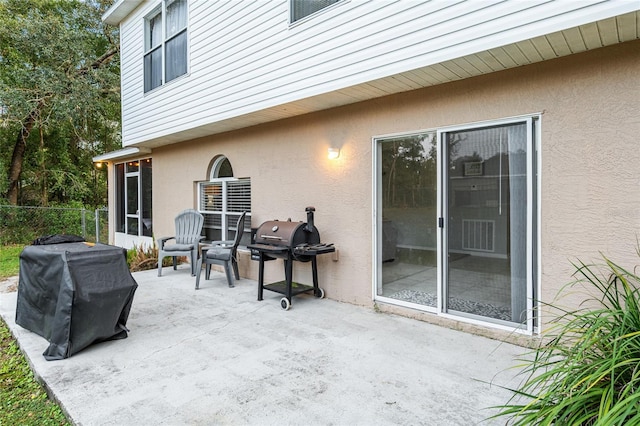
(9, 285)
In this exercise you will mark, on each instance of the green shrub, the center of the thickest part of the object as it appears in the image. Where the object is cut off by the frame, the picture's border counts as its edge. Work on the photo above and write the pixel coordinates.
(23, 224)
(144, 258)
(588, 371)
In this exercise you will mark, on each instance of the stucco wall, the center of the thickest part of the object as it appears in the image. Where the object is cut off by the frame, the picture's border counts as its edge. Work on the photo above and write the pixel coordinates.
(590, 183)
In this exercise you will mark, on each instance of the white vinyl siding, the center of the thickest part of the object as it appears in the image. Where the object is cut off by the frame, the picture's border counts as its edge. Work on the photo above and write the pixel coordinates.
(245, 57)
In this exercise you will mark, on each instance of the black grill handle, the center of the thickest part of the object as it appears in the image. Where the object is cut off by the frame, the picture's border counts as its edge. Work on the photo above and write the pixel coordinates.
(271, 237)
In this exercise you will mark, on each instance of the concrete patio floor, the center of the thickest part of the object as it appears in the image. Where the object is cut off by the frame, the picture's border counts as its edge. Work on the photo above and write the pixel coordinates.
(218, 356)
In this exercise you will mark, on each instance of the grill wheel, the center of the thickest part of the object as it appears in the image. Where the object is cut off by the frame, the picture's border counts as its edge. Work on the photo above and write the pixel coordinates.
(285, 304)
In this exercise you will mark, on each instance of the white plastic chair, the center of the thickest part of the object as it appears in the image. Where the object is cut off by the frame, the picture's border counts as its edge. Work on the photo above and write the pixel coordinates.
(188, 228)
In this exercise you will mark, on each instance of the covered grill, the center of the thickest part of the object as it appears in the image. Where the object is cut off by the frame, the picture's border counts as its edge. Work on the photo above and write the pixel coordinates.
(289, 241)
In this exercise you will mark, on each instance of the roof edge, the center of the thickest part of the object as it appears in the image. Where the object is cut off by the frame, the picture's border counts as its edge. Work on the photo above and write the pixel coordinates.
(121, 153)
(120, 10)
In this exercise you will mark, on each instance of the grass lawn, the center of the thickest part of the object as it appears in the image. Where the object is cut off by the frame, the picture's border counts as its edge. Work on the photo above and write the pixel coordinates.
(23, 400)
(9, 261)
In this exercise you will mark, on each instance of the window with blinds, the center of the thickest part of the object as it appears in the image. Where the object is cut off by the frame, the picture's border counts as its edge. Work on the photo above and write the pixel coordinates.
(302, 8)
(221, 202)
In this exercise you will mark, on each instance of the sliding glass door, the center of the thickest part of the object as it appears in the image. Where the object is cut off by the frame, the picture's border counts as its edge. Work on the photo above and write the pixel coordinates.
(407, 189)
(456, 221)
(487, 221)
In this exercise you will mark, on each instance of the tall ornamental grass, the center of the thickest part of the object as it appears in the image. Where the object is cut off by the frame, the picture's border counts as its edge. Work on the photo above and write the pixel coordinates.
(588, 370)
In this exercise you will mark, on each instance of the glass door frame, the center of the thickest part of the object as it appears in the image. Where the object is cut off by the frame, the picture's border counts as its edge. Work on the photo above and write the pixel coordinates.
(377, 220)
(532, 196)
(143, 215)
(128, 215)
(533, 167)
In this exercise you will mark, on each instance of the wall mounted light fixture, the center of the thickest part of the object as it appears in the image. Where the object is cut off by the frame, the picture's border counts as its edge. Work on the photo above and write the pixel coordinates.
(334, 153)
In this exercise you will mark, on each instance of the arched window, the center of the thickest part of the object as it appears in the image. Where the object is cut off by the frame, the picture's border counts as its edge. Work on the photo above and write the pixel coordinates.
(220, 168)
(222, 199)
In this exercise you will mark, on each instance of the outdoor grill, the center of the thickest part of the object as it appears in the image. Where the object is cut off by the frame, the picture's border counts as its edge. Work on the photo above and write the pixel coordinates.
(290, 241)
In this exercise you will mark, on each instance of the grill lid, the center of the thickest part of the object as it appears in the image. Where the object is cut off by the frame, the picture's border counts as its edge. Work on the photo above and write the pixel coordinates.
(286, 234)
(277, 233)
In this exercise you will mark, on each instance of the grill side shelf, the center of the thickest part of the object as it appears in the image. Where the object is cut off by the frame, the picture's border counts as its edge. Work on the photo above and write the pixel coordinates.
(313, 251)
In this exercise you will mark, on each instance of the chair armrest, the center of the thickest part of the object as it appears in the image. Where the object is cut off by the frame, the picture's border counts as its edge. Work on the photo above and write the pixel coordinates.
(223, 243)
(163, 240)
(196, 239)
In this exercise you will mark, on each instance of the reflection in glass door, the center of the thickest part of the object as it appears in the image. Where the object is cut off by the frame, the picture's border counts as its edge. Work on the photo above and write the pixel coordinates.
(486, 222)
(407, 233)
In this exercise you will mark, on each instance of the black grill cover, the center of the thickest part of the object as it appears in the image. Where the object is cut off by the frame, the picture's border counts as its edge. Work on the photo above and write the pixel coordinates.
(57, 239)
(74, 294)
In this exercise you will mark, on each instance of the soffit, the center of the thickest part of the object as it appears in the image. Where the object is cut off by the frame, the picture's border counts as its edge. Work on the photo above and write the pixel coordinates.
(121, 154)
(594, 35)
(120, 10)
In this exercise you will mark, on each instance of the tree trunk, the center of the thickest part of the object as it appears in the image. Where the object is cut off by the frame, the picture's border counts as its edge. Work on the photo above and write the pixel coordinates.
(44, 194)
(17, 159)
(15, 168)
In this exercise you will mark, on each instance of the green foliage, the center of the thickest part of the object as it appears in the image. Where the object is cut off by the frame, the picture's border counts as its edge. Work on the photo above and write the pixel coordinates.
(22, 400)
(588, 373)
(58, 65)
(144, 258)
(23, 225)
(10, 261)
(409, 165)
(138, 258)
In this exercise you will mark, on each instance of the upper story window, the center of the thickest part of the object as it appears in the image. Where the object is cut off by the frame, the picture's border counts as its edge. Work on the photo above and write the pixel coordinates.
(302, 8)
(165, 43)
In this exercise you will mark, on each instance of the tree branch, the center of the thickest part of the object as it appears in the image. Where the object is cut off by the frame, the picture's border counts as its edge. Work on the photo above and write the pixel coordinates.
(102, 60)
